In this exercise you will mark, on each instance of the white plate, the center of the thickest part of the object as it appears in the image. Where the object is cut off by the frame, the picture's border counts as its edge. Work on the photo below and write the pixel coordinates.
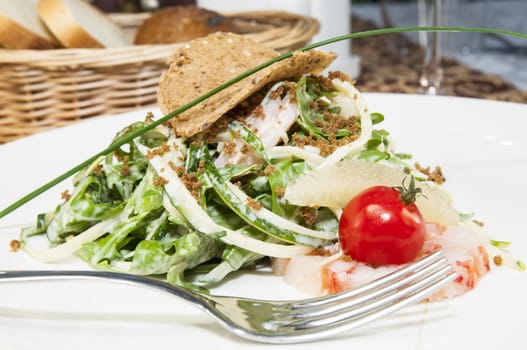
(481, 146)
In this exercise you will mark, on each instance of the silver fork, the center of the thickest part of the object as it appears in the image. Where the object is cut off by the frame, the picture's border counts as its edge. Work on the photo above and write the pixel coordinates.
(298, 320)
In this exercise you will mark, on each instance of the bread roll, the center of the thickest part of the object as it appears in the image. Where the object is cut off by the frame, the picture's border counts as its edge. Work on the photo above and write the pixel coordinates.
(77, 24)
(21, 28)
(180, 23)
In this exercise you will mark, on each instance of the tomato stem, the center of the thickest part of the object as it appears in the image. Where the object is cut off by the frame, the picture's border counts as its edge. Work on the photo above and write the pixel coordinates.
(410, 193)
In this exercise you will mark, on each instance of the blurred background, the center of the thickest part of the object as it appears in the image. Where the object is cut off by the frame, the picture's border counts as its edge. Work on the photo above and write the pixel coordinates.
(503, 55)
(499, 56)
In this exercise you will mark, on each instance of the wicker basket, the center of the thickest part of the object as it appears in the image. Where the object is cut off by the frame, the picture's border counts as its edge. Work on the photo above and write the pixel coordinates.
(40, 90)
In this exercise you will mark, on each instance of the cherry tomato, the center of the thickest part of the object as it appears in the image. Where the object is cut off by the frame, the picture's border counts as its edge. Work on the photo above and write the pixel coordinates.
(377, 227)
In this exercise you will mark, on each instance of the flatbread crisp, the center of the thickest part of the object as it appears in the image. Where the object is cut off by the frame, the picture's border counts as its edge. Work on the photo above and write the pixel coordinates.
(204, 63)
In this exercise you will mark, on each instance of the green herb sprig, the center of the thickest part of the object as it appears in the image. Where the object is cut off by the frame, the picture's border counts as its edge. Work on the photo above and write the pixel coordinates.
(20, 202)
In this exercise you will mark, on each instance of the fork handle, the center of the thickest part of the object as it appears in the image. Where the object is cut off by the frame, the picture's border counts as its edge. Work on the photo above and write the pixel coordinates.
(39, 275)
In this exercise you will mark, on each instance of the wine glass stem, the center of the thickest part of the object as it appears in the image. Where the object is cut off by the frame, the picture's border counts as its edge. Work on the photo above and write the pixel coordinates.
(432, 73)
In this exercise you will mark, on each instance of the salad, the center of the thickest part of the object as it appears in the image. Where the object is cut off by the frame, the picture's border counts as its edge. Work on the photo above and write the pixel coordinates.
(262, 175)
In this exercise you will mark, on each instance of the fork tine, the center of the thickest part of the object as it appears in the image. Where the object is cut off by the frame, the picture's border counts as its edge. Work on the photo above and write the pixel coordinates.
(378, 283)
(297, 334)
(369, 293)
(353, 315)
(354, 308)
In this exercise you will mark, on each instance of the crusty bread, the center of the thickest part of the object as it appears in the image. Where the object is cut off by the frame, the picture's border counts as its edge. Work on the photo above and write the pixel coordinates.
(204, 63)
(21, 28)
(180, 23)
(77, 24)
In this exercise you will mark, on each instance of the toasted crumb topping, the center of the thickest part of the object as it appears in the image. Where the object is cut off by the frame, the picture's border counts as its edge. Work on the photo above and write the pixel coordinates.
(333, 123)
(309, 215)
(254, 204)
(98, 170)
(337, 129)
(287, 88)
(160, 181)
(229, 148)
(479, 223)
(176, 168)
(436, 175)
(159, 151)
(498, 260)
(190, 180)
(326, 146)
(325, 82)
(245, 149)
(269, 170)
(341, 76)
(125, 171)
(149, 118)
(14, 245)
(65, 195)
(319, 252)
(279, 191)
(258, 112)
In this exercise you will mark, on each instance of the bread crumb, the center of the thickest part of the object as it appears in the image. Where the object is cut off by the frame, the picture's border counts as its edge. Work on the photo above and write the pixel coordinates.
(65, 195)
(14, 245)
(309, 215)
(254, 204)
(341, 76)
(149, 118)
(159, 151)
(190, 180)
(498, 260)
(319, 252)
(436, 175)
(125, 171)
(479, 223)
(269, 170)
(160, 181)
(98, 170)
(229, 148)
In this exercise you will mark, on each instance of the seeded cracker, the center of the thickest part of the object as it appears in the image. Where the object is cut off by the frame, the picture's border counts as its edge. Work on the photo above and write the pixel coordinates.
(207, 62)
